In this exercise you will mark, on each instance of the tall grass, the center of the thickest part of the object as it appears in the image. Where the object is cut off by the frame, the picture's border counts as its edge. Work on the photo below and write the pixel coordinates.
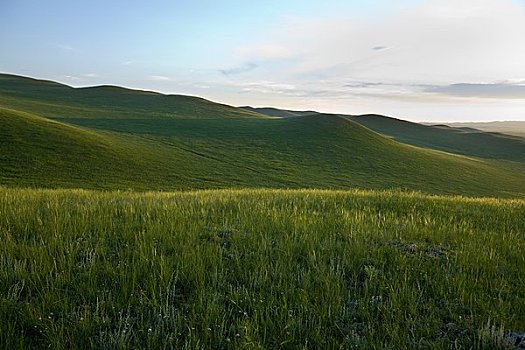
(258, 269)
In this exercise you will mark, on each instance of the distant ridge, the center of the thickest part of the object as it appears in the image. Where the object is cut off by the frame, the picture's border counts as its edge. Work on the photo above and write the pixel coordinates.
(516, 128)
(57, 100)
(281, 113)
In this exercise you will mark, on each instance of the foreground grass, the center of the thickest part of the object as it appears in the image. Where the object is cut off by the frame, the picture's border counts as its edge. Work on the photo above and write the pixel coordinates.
(259, 269)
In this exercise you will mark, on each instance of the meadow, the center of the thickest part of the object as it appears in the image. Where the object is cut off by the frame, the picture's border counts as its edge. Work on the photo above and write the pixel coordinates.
(259, 269)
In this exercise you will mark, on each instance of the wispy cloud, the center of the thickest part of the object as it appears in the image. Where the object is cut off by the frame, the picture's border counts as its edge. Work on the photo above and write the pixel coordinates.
(79, 78)
(331, 90)
(72, 78)
(495, 90)
(363, 84)
(436, 42)
(159, 78)
(269, 87)
(127, 63)
(246, 67)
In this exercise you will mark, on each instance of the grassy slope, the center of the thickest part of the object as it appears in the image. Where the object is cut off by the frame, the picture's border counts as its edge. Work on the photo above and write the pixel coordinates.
(463, 141)
(50, 99)
(36, 148)
(258, 269)
(485, 142)
(152, 141)
(322, 152)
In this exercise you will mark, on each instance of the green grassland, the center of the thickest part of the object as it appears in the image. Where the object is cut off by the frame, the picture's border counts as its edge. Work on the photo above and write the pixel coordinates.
(114, 138)
(259, 269)
(172, 154)
(254, 234)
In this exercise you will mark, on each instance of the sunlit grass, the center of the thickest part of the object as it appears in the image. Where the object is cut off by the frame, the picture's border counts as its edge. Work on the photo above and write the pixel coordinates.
(258, 269)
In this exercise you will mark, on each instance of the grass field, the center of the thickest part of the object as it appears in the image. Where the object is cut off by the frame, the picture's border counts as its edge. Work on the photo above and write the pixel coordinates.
(259, 269)
(268, 244)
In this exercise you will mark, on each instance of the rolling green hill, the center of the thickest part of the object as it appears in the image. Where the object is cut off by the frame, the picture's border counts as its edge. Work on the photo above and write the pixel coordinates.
(115, 138)
(50, 99)
(487, 142)
(465, 141)
(245, 266)
(40, 152)
(311, 152)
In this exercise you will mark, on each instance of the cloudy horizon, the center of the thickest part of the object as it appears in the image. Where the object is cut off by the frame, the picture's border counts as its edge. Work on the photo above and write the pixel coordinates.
(432, 60)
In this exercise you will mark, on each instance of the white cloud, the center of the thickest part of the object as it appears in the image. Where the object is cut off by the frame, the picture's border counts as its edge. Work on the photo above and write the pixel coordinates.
(457, 41)
(269, 87)
(439, 42)
(72, 78)
(406, 60)
(159, 78)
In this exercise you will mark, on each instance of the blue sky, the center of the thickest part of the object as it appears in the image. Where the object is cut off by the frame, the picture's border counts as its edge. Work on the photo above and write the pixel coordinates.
(423, 60)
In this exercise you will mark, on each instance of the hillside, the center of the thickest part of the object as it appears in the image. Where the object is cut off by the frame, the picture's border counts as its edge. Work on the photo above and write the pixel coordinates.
(44, 153)
(116, 138)
(50, 99)
(465, 141)
(485, 140)
(308, 152)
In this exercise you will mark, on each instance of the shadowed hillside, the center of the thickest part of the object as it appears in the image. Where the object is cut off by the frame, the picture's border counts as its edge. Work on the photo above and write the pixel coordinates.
(466, 141)
(45, 153)
(461, 140)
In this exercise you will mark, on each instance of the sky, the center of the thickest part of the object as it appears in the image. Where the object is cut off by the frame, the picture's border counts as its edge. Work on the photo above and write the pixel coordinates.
(420, 60)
